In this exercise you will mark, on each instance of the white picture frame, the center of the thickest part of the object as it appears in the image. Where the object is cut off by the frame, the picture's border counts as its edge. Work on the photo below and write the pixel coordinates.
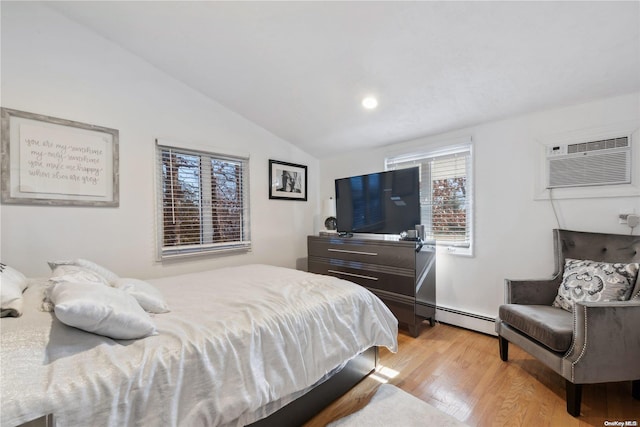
(52, 161)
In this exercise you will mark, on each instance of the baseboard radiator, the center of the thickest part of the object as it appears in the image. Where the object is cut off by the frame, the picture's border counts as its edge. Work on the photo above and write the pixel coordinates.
(465, 319)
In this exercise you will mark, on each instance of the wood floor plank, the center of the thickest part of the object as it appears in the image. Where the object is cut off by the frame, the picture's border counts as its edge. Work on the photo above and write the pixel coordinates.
(460, 372)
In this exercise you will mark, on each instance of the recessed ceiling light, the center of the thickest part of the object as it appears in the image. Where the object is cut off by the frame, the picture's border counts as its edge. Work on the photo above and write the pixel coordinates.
(369, 103)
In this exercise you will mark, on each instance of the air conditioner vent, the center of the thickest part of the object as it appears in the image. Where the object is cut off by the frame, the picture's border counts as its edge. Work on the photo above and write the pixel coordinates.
(598, 145)
(601, 162)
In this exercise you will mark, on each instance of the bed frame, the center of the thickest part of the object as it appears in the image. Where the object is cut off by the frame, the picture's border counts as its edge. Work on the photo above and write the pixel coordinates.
(306, 406)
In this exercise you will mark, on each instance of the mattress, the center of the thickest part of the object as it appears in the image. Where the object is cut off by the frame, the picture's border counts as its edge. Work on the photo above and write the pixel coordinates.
(238, 344)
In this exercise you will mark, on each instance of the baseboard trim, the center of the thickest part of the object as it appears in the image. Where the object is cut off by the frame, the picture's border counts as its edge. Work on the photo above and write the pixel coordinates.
(473, 321)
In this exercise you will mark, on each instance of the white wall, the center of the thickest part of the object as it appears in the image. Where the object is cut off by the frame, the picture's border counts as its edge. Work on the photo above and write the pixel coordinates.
(52, 66)
(513, 237)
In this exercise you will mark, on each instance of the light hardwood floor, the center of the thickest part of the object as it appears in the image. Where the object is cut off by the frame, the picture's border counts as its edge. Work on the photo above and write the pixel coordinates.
(460, 372)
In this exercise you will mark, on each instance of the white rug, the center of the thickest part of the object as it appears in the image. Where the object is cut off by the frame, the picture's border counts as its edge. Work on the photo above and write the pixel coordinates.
(391, 406)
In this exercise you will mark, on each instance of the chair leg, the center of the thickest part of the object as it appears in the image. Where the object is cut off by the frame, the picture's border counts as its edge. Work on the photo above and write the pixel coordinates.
(504, 349)
(574, 398)
(635, 389)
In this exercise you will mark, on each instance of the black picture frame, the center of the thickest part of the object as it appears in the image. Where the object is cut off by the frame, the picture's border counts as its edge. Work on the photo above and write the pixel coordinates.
(287, 181)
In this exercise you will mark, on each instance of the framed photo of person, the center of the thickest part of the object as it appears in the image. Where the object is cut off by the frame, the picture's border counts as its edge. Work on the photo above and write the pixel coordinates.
(287, 181)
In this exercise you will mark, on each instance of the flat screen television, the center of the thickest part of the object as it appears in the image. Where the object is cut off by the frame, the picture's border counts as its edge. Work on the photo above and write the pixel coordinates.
(382, 203)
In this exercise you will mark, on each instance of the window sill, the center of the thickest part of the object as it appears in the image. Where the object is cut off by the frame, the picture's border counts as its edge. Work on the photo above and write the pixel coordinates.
(452, 250)
(170, 255)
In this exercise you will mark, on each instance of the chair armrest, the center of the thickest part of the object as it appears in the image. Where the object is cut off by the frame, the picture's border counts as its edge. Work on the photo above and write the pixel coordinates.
(606, 342)
(528, 292)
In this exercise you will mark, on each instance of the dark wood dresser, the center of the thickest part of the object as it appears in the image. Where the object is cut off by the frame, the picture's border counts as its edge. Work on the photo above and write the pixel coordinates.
(401, 273)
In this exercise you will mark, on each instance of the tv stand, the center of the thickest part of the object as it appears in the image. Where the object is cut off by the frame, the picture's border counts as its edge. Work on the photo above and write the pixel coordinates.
(401, 273)
(345, 234)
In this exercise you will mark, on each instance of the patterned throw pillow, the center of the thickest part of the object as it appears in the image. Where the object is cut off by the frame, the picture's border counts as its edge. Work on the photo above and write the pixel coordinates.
(12, 284)
(585, 280)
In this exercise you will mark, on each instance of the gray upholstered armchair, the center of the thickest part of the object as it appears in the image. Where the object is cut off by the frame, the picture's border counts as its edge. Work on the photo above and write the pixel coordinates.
(597, 342)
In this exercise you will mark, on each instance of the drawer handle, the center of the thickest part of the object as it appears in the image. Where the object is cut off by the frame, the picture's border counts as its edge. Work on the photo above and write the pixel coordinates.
(352, 252)
(353, 274)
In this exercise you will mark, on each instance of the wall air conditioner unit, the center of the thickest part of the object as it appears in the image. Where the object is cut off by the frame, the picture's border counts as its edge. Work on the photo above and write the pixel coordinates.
(602, 162)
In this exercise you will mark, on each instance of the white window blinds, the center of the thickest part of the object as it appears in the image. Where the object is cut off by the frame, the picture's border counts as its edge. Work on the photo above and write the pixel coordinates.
(203, 202)
(446, 193)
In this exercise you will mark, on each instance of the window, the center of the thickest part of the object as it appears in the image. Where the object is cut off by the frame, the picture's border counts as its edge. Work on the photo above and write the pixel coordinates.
(446, 193)
(202, 202)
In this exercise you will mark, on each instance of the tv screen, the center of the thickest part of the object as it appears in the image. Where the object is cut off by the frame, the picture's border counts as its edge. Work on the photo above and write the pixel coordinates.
(382, 203)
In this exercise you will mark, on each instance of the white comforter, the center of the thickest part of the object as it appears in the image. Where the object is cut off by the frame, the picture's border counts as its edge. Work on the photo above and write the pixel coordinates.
(238, 344)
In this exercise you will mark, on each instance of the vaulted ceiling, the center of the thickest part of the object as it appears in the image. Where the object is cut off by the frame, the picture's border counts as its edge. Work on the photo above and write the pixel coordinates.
(301, 69)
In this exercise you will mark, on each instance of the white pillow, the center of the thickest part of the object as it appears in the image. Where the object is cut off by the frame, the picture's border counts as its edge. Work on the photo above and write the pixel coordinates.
(76, 274)
(104, 272)
(69, 273)
(102, 310)
(12, 284)
(147, 295)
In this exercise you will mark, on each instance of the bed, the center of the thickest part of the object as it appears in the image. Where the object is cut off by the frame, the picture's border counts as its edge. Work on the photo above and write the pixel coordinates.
(240, 345)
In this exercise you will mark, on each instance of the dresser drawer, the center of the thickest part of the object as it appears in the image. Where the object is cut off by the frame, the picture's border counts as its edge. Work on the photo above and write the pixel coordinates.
(397, 254)
(370, 276)
(391, 269)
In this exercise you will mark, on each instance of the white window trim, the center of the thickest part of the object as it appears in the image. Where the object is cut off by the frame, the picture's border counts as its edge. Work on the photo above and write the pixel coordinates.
(206, 249)
(460, 144)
